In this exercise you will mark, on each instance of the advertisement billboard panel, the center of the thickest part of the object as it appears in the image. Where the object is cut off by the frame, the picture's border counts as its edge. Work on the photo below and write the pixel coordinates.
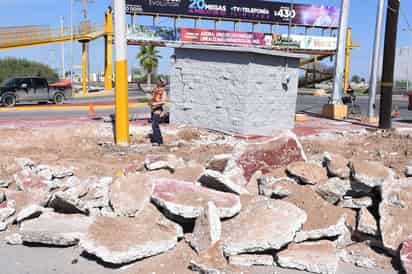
(305, 42)
(243, 10)
(221, 37)
(150, 33)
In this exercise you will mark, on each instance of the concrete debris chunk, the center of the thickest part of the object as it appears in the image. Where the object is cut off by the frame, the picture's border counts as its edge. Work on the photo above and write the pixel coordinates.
(355, 203)
(2, 196)
(123, 240)
(333, 190)
(67, 203)
(14, 239)
(406, 256)
(263, 224)
(156, 162)
(187, 200)
(306, 173)
(369, 173)
(336, 165)
(276, 188)
(395, 212)
(362, 255)
(218, 162)
(30, 212)
(130, 194)
(216, 180)
(212, 261)
(55, 229)
(266, 155)
(207, 230)
(367, 223)
(320, 257)
(251, 260)
(7, 209)
(408, 171)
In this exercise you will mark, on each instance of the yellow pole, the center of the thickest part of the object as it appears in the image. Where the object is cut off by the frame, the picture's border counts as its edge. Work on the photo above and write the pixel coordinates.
(108, 72)
(122, 96)
(84, 68)
(347, 57)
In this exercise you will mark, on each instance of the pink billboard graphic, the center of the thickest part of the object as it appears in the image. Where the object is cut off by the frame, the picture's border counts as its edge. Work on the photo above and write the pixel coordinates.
(222, 37)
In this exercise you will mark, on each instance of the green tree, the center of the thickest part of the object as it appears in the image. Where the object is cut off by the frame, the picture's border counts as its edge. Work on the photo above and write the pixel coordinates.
(149, 60)
(15, 67)
(356, 79)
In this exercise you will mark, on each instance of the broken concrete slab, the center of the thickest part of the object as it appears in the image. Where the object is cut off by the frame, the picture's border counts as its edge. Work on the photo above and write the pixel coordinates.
(251, 260)
(187, 200)
(55, 229)
(307, 173)
(355, 203)
(130, 194)
(367, 223)
(334, 189)
(207, 230)
(212, 261)
(406, 256)
(362, 255)
(395, 211)
(219, 162)
(263, 224)
(320, 257)
(218, 181)
(2, 196)
(324, 219)
(67, 202)
(369, 173)
(7, 209)
(267, 154)
(161, 161)
(123, 240)
(336, 165)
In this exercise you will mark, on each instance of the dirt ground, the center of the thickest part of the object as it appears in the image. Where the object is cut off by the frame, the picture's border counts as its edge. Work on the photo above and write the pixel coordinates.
(394, 149)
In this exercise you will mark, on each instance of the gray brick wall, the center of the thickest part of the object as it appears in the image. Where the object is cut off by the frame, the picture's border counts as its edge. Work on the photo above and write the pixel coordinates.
(234, 92)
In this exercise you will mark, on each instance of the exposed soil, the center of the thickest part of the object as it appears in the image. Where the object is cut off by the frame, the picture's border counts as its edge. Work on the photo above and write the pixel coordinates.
(391, 148)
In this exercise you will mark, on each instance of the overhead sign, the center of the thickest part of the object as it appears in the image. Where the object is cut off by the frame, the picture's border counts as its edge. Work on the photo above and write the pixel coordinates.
(140, 33)
(243, 10)
(305, 42)
(221, 37)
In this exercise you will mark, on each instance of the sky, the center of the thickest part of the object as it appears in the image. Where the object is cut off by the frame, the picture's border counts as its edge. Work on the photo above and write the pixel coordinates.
(48, 12)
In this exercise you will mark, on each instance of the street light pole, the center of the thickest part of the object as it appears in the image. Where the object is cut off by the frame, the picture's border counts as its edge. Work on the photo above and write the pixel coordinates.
(340, 56)
(375, 61)
(385, 115)
(121, 89)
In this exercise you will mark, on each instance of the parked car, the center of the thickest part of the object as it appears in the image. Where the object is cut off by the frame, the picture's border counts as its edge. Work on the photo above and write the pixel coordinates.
(33, 90)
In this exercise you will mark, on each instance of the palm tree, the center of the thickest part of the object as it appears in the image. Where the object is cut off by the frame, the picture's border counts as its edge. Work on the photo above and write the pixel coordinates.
(149, 60)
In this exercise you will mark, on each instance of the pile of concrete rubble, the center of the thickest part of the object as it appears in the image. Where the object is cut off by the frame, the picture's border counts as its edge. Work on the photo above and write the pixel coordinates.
(263, 204)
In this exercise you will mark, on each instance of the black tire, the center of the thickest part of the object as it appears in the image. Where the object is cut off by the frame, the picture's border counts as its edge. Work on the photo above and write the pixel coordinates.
(58, 99)
(9, 101)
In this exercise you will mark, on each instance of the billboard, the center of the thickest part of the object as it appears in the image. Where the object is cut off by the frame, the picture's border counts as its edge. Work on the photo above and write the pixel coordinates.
(150, 33)
(305, 42)
(243, 10)
(222, 37)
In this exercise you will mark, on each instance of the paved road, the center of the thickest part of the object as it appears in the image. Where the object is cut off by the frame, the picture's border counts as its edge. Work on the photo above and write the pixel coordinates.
(309, 104)
(43, 260)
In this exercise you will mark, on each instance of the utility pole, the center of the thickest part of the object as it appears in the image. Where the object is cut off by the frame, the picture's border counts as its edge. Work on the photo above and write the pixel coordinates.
(340, 56)
(121, 89)
(62, 34)
(375, 61)
(385, 115)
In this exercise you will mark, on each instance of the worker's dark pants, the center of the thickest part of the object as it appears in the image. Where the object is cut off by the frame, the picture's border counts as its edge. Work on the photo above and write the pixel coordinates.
(157, 135)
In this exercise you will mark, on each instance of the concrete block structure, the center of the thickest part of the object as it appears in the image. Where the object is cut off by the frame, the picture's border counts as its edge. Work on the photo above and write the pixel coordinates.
(236, 90)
